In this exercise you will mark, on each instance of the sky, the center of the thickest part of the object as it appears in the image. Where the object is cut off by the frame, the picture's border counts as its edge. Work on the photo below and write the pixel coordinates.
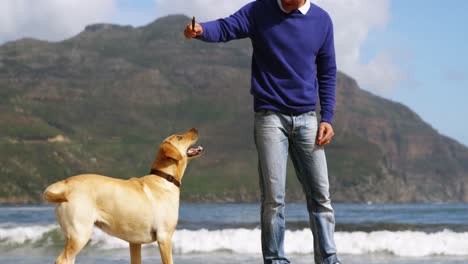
(413, 52)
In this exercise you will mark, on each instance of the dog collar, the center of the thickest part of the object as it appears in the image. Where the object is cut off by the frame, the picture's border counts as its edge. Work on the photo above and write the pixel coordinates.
(166, 176)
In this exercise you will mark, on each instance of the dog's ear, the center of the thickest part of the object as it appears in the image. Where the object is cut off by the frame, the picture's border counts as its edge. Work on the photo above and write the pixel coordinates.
(171, 152)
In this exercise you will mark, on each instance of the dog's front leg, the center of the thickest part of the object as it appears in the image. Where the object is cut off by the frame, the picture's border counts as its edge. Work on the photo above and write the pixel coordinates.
(165, 249)
(135, 253)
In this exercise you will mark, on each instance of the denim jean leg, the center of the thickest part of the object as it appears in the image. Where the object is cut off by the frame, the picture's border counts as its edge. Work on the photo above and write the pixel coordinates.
(311, 168)
(272, 148)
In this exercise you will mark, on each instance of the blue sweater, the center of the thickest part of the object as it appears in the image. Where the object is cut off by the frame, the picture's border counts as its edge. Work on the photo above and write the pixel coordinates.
(293, 61)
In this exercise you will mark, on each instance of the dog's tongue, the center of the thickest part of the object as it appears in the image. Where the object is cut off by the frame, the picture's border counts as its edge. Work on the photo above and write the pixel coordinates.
(194, 150)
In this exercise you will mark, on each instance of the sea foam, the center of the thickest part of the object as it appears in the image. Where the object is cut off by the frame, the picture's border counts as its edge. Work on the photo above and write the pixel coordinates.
(247, 241)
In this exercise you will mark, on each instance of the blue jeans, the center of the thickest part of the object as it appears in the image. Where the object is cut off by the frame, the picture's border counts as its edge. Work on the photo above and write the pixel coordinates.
(276, 136)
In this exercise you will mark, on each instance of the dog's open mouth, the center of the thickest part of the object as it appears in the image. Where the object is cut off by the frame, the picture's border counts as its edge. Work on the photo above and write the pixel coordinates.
(194, 151)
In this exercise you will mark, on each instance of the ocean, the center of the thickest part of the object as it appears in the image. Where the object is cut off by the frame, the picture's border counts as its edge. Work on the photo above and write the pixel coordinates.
(229, 233)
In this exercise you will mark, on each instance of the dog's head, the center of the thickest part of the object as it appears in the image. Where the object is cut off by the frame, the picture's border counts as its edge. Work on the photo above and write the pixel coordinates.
(176, 151)
(180, 147)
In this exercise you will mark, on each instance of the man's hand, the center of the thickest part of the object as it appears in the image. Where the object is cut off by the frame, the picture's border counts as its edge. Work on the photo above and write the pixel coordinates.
(325, 134)
(190, 34)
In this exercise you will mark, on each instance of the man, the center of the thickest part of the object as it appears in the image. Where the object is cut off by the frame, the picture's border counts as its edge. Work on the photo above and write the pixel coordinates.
(293, 63)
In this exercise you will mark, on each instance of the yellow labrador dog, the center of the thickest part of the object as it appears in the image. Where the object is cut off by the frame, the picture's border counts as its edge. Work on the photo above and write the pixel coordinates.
(138, 210)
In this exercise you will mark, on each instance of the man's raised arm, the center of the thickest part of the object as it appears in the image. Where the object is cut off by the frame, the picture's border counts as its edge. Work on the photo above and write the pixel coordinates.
(236, 26)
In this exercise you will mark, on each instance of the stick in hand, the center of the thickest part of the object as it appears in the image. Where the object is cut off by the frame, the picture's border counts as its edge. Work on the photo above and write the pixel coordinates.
(193, 24)
(192, 30)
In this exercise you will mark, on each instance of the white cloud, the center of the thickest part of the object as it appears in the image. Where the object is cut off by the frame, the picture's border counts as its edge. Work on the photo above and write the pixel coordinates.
(51, 19)
(353, 20)
(203, 10)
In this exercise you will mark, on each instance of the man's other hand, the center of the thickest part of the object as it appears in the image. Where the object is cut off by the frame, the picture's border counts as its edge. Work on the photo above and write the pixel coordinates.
(325, 134)
(190, 34)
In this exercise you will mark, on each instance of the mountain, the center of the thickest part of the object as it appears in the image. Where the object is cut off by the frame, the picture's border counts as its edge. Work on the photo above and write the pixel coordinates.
(102, 102)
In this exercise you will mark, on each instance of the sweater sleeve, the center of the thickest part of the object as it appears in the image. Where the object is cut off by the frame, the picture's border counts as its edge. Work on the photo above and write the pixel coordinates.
(326, 75)
(236, 26)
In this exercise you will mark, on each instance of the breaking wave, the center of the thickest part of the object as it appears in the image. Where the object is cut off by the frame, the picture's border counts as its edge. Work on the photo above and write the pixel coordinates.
(247, 241)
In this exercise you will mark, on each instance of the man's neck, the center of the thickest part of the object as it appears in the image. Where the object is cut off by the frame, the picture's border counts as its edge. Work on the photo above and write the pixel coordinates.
(303, 3)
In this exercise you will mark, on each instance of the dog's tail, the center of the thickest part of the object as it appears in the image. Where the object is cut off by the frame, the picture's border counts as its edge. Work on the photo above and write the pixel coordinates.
(57, 192)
